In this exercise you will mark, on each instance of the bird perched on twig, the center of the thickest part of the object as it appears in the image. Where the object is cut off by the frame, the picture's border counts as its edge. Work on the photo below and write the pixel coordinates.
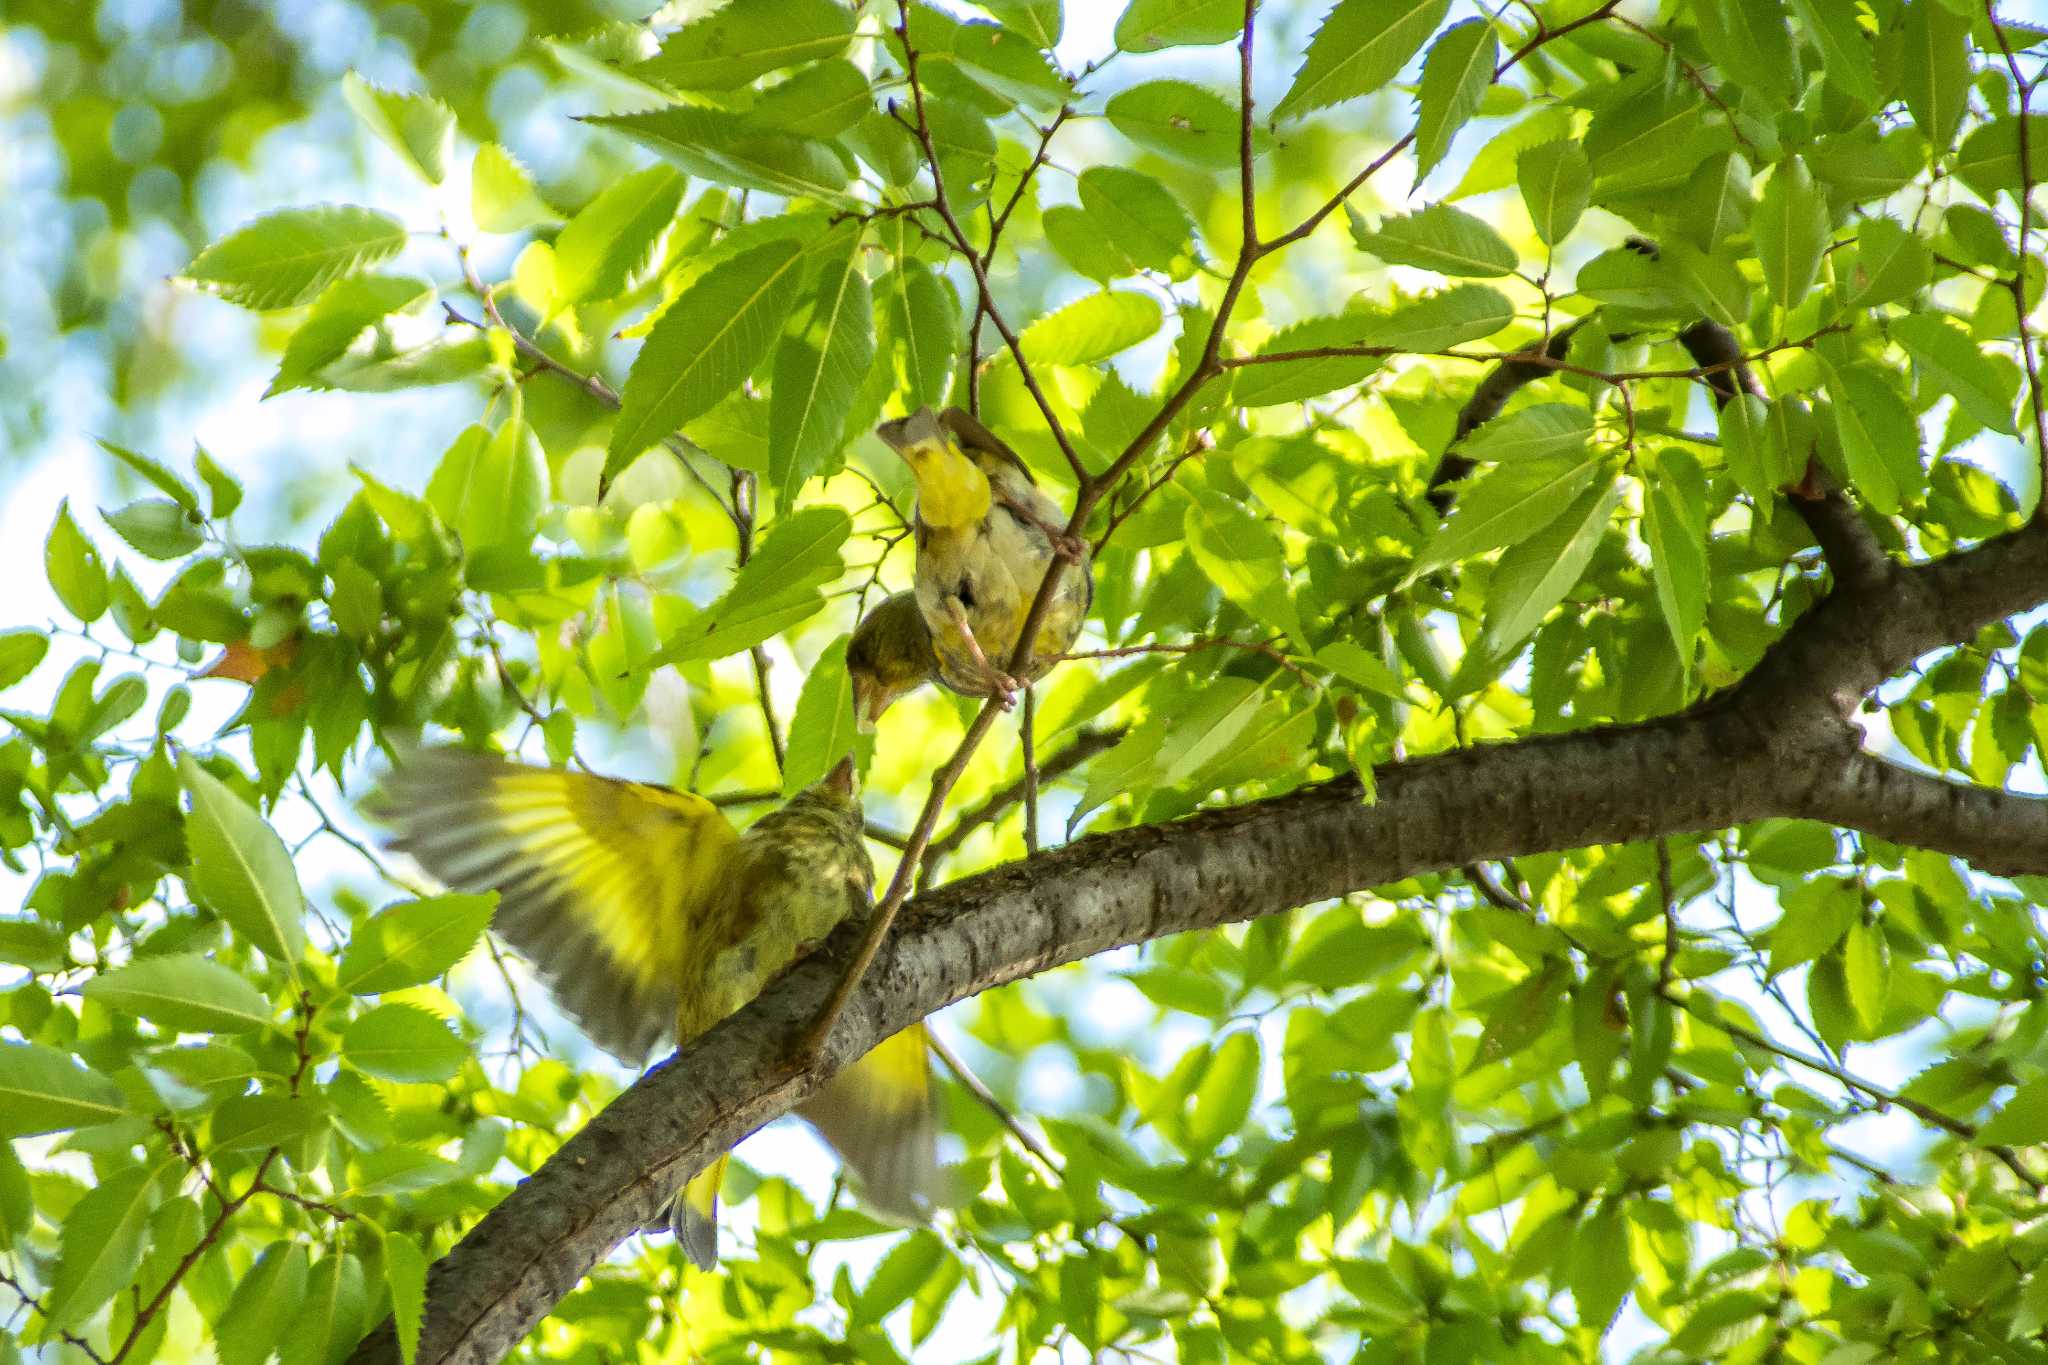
(651, 920)
(889, 656)
(986, 534)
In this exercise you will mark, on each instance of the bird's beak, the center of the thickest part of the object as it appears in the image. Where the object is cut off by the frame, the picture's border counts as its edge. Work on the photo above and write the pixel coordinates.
(869, 701)
(905, 434)
(842, 778)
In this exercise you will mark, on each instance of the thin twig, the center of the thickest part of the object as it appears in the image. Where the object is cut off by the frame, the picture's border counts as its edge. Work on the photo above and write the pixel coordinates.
(978, 1088)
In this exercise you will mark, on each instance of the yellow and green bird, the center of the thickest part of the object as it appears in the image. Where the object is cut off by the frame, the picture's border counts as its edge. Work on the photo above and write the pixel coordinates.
(889, 656)
(651, 919)
(986, 534)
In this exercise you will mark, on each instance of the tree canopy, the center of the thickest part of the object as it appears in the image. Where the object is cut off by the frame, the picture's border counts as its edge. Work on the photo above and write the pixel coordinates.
(1537, 855)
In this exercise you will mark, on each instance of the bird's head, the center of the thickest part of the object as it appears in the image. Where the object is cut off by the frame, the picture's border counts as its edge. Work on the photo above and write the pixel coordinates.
(889, 656)
(952, 491)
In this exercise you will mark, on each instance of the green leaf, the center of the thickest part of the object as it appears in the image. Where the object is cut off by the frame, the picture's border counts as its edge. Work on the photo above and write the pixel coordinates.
(822, 731)
(1178, 988)
(1222, 1100)
(1557, 185)
(265, 1307)
(75, 570)
(906, 1267)
(1546, 431)
(1356, 664)
(402, 1043)
(502, 194)
(1866, 971)
(286, 258)
(43, 1090)
(800, 551)
(1242, 557)
(824, 355)
(101, 1247)
(158, 474)
(413, 942)
(1359, 48)
(1989, 159)
(242, 870)
(1138, 218)
(1751, 41)
(737, 151)
(1534, 575)
(1150, 25)
(1892, 263)
(1455, 75)
(742, 42)
(400, 1169)
(1507, 503)
(17, 1204)
(1879, 439)
(1933, 69)
(1791, 231)
(1181, 120)
(1754, 462)
(181, 991)
(1290, 381)
(1093, 327)
(1675, 528)
(330, 1322)
(1447, 240)
(776, 590)
(2022, 1121)
(491, 486)
(1038, 20)
(1464, 313)
(344, 311)
(1601, 1274)
(419, 128)
(1845, 51)
(1206, 729)
(1010, 65)
(1946, 358)
(708, 341)
(156, 527)
(922, 320)
(1712, 283)
(20, 652)
(818, 101)
(405, 1272)
(612, 238)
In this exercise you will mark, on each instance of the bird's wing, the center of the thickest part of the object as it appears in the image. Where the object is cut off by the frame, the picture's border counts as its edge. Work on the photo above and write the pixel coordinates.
(877, 1114)
(601, 883)
(969, 431)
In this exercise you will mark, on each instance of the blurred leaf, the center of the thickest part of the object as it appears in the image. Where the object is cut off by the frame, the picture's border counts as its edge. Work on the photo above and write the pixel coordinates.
(1223, 1098)
(1675, 528)
(502, 193)
(419, 128)
(1791, 230)
(613, 237)
(490, 487)
(1180, 120)
(1933, 74)
(47, 1091)
(268, 1301)
(101, 1247)
(402, 1043)
(413, 942)
(75, 570)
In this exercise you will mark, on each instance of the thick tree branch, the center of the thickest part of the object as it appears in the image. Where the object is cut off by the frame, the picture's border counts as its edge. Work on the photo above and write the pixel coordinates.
(1779, 744)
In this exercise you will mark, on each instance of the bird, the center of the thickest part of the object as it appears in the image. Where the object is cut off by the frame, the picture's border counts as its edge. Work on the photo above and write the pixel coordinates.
(889, 657)
(986, 535)
(650, 918)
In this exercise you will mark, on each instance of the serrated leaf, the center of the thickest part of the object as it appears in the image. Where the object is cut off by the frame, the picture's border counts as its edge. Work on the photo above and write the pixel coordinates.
(821, 100)
(1093, 327)
(242, 870)
(1557, 184)
(1933, 71)
(1989, 159)
(156, 527)
(923, 325)
(100, 1248)
(74, 567)
(1845, 51)
(490, 486)
(1138, 218)
(1790, 226)
(1507, 503)
(419, 128)
(156, 472)
(1441, 321)
(1242, 557)
(2021, 1121)
(708, 341)
(43, 1090)
(266, 1302)
(1879, 439)
(732, 150)
(1891, 264)
(1547, 431)
(502, 194)
(20, 652)
(1675, 528)
(1360, 47)
(1290, 381)
(822, 731)
(1447, 240)
(413, 942)
(612, 238)
(402, 1043)
(1181, 120)
(741, 42)
(181, 991)
(1455, 75)
(1534, 575)
(819, 365)
(1150, 25)
(405, 1272)
(343, 312)
(286, 258)
(1945, 356)
(1751, 41)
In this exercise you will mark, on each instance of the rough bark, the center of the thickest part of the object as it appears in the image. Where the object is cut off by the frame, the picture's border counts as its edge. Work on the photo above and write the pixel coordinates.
(1782, 743)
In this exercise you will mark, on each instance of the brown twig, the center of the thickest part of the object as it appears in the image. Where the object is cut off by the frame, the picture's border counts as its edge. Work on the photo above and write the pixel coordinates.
(1085, 746)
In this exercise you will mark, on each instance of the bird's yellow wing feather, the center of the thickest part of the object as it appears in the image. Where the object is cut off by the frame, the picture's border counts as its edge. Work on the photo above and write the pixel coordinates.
(878, 1115)
(603, 885)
